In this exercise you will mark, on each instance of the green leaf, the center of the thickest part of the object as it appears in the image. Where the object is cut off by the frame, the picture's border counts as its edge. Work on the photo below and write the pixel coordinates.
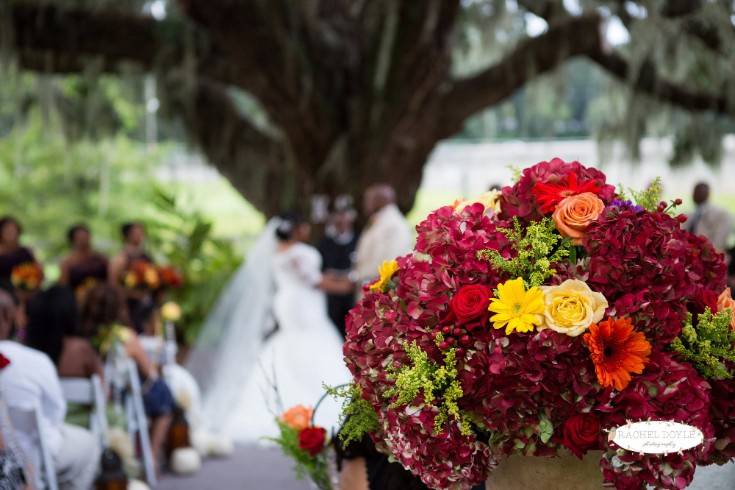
(545, 429)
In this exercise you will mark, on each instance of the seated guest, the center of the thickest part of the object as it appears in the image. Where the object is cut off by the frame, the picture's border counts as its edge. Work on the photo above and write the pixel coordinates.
(30, 380)
(84, 265)
(100, 313)
(12, 253)
(53, 328)
(133, 270)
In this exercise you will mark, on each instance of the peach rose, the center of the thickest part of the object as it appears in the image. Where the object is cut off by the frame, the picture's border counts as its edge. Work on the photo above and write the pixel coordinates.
(574, 214)
(298, 417)
(725, 301)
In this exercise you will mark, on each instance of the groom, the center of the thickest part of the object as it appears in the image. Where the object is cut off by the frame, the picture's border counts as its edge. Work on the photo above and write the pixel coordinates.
(386, 236)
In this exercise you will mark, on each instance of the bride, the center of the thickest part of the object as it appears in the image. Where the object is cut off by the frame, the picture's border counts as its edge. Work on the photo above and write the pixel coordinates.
(248, 380)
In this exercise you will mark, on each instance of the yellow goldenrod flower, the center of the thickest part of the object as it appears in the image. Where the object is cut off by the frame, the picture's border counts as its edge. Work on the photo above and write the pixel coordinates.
(386, 271)
(516, 308)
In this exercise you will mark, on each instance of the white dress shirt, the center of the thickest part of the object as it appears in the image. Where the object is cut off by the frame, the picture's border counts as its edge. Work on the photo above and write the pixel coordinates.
(31, 380)
(386, 237)
(713, 223)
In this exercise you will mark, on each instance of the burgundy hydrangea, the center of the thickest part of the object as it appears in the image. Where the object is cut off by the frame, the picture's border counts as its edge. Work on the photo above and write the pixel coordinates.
(529, 393)
(667, 390)
(519, 200)
(651, 270)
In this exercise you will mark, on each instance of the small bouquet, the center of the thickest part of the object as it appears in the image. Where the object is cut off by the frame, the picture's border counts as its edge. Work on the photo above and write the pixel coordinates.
(27, 276)
(142, 274)
(306, 444)
(108, 336)
(171, 312)
(170, 277)
(535, 321)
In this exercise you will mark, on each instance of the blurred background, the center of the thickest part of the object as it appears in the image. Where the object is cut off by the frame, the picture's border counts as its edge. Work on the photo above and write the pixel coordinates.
(204, 117)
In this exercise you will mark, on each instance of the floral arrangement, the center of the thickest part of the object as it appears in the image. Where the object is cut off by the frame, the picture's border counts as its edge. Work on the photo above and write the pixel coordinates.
(142, 274)
(171, 312)
(170, 277)
(27, 276)
(306, 444)
(533, 321)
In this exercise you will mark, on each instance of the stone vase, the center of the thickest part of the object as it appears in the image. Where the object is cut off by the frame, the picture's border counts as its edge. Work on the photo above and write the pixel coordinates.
(564, 472)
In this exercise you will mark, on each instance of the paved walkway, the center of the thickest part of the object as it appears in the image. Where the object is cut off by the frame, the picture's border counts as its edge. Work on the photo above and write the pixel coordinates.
(249, 468)
(257, 468)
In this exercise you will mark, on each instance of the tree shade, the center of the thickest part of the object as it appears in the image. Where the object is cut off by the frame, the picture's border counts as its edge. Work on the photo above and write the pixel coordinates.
(354, 91)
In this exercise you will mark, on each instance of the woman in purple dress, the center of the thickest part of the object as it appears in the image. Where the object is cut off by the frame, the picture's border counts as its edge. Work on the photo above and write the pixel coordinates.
(12, 254)
(84, 266)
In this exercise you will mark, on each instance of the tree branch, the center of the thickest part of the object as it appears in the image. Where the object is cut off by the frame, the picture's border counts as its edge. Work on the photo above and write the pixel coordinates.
(552, 11)
(252, 161)
(568, 38)
(55, 39)
(649, 83)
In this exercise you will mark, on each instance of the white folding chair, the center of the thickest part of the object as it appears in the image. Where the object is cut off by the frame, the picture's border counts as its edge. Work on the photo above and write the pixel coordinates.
(171, 347)
(89, 391)
(137, 421)
(28, 422)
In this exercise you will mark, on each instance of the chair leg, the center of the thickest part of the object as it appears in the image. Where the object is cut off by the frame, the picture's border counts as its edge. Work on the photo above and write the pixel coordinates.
(142, 425)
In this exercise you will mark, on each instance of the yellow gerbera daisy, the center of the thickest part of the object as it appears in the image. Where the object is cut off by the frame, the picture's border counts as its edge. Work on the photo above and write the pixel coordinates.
(386, 271)
(516, 308)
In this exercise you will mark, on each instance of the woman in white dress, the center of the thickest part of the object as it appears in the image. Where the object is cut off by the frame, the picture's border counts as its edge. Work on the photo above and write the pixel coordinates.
(292, 366)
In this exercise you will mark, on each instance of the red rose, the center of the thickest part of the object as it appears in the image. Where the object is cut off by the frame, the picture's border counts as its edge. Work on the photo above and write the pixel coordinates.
(4, 361)
(581, 432)
(470, 302)
(312, 440)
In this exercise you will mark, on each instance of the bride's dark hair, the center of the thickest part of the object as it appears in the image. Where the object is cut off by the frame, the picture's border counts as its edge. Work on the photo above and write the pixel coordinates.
(289, 221)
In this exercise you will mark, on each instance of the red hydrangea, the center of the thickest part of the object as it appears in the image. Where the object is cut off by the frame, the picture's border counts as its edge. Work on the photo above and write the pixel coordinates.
(649, 269)
(529, 390)
(667, 390)
(520, 200)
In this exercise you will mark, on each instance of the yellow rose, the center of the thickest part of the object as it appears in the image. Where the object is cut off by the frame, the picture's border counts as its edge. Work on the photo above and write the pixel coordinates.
(489, 199)
(171, 312)
(572, 306)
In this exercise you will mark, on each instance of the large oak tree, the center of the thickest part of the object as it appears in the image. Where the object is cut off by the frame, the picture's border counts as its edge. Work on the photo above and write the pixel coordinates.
(355, 91)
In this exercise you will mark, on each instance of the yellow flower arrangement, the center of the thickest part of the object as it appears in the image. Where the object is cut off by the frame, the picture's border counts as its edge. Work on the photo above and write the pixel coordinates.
(171, 312)
(572, 306)
(386, 271)
(517, 308)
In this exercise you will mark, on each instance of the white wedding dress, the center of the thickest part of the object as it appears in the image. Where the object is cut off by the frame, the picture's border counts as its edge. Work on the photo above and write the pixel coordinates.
(304, 354)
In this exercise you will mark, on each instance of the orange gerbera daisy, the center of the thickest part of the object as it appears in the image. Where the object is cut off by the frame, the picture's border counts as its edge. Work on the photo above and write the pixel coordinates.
(617, 351)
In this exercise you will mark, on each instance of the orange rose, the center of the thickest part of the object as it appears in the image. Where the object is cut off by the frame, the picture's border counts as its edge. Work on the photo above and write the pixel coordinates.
(298, 417)
(725, 301)
(574, 214)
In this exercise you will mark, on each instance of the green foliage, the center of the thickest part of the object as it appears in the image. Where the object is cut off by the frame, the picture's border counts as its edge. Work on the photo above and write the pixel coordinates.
(49, 183)
(709, 345)
(307, 466)
(536, 250)
(358, 417)
(545, 429)
(184, 238)
(650, 197)
(437, 384)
